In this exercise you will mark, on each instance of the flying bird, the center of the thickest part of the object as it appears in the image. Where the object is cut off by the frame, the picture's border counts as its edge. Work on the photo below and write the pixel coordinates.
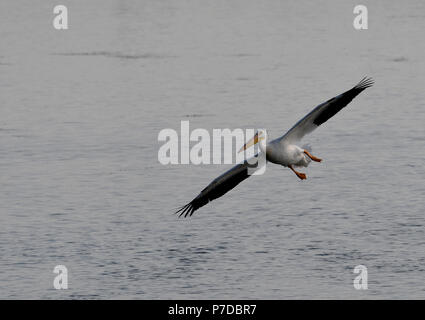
(283, 150)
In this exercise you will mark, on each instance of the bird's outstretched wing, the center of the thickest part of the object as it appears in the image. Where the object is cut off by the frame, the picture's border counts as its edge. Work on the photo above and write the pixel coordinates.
(219, 186)
(323, 112)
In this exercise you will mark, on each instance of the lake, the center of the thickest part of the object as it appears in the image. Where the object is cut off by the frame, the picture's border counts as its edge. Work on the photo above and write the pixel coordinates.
(81, 184)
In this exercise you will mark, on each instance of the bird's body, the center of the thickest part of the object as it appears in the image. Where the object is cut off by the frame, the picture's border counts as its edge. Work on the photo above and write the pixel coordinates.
(286, 154)
(283, 150)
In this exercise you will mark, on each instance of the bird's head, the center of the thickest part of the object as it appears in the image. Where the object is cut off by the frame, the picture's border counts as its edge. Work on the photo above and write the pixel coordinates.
(260, 136)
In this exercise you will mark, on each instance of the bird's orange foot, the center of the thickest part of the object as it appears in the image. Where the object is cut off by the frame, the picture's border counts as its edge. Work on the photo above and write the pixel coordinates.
(312, 157)
(301, 175)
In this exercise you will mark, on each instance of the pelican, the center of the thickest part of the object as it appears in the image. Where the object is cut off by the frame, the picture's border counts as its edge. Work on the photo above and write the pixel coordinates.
(283, 150)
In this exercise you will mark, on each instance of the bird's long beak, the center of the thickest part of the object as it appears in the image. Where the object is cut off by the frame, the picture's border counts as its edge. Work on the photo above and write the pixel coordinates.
(250, 143)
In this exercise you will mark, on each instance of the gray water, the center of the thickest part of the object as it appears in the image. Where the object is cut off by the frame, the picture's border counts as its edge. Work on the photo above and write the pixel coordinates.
(81, 184)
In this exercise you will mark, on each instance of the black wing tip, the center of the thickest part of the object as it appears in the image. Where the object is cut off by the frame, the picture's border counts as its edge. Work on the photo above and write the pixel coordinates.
(186, 210)
(366, 82)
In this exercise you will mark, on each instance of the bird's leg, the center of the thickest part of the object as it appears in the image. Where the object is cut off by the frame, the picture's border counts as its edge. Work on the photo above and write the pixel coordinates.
(312, 157)
(300, 175)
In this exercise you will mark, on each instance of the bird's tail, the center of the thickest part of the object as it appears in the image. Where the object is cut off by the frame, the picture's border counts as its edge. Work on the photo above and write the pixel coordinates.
(307, 159)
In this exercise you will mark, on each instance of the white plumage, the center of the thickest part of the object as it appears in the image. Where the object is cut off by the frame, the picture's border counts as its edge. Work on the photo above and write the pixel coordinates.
(283, 150)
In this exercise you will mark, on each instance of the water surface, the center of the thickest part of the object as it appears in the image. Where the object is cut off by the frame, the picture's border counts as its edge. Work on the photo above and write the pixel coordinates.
(81, 184)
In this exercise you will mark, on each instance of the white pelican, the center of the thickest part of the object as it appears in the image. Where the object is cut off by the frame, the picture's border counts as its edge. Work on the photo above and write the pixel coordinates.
(283, 150)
